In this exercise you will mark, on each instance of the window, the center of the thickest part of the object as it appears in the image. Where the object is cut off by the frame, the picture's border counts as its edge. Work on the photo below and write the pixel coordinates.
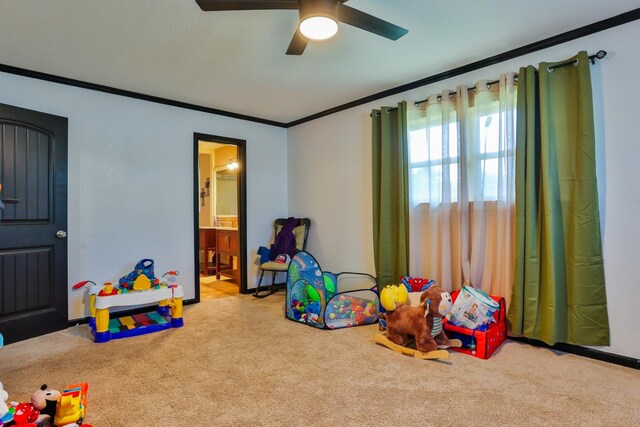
(428, 164)
(435, 163)
(462, 186)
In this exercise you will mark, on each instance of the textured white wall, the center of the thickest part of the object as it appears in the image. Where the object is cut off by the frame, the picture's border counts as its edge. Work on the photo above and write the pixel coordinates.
(131, 180)
(330, 173)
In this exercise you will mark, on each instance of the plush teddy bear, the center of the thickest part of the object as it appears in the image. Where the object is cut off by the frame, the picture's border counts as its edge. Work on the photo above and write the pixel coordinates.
(424, 322)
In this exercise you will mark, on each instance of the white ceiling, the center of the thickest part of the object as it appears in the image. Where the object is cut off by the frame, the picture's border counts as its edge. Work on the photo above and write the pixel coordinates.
(235, 60)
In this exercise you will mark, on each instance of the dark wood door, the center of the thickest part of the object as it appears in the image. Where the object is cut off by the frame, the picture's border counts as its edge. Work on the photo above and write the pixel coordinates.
(33, 223)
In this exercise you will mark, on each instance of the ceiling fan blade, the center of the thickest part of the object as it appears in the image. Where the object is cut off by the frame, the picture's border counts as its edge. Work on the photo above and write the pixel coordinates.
(298, 44)
(370, 23)
(210, 5)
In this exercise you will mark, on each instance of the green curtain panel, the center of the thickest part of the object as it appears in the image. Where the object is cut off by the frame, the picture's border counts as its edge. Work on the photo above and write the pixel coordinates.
(559, 290)
(390, 193)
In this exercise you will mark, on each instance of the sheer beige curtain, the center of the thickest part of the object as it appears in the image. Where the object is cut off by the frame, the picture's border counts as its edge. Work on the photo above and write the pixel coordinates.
(461, 153)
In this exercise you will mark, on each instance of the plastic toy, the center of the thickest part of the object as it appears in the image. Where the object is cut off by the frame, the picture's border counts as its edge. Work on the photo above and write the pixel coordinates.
(483, 341)
(472, 308)
(72, 405)
(107, 290)
(138, 290)
(141, 278)
(423, 322)
(36, 413)
(313, 297)
(48, 408)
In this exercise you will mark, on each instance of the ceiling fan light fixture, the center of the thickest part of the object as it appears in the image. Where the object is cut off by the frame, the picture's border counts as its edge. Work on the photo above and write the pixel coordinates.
(318, 19)
(318, 27)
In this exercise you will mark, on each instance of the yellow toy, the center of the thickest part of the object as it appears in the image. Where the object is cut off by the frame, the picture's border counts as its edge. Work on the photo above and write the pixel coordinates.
(142, 283)
(393, 295)
(108, 289)
(72, 404)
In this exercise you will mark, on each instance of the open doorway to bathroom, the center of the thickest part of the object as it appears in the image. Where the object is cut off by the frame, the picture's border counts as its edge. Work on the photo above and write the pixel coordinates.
(220, 216)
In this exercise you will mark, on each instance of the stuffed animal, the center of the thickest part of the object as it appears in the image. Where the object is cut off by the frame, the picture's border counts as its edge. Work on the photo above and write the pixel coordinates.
(392, 296)
(25, 414)
(4, 408)
(424, 322)
(45, 401)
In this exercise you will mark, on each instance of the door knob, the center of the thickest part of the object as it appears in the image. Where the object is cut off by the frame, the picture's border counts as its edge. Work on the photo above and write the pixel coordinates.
(61, 234)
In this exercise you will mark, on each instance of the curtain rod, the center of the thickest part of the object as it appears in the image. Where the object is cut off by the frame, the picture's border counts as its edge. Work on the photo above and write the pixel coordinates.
(598, 55)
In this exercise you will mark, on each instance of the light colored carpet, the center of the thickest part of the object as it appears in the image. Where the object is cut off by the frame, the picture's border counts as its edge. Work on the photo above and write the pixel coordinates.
(237, 361)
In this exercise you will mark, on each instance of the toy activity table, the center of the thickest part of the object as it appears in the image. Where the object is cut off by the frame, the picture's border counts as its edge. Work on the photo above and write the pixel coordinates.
(167, 315)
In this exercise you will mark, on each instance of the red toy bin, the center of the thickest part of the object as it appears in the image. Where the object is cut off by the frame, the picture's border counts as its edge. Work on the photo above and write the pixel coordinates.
(487, 342)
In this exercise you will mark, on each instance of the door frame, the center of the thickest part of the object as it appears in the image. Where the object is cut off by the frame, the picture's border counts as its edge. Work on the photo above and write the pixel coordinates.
(241, 145)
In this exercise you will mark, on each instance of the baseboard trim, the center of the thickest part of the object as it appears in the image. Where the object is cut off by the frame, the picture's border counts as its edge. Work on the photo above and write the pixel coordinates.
(591, 353)
(130, 312)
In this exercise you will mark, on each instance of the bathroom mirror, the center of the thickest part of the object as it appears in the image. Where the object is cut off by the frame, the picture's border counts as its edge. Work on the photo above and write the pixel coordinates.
(225, 191)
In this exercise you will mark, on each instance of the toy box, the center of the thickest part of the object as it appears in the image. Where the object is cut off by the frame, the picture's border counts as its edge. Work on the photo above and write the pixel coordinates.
(478, 342)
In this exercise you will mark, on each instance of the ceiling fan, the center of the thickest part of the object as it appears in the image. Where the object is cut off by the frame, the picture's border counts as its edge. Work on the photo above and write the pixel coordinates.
(318, 18)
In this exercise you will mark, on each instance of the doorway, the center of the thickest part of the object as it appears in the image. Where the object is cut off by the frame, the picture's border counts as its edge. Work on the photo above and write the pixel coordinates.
(33, 223)
(219, 216)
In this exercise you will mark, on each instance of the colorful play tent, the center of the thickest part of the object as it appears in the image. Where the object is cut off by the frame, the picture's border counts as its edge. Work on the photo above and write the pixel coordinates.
(327, 300)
